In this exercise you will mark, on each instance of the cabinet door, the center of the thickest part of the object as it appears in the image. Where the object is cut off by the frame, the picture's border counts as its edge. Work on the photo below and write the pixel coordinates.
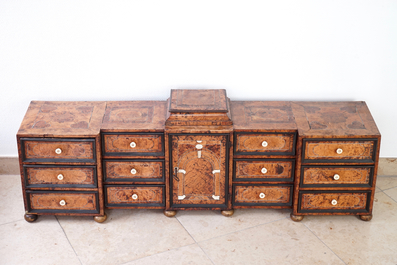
(199, 170)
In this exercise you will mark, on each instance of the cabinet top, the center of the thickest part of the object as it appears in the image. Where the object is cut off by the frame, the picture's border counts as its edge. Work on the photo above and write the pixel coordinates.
(198, 100)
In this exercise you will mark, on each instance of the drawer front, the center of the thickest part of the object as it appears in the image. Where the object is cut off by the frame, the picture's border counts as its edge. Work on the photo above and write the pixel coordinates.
(60, 176)
(133, 144)
(332, 151)
(60, 150)
(334, 176)
(62, 202)
(257, 195)
(264, 170)
(265, 143)
(338, 201)
(134, 196)
(138, 170)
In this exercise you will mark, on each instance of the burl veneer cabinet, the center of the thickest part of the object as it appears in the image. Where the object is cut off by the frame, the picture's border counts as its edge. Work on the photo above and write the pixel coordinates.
(198, 150)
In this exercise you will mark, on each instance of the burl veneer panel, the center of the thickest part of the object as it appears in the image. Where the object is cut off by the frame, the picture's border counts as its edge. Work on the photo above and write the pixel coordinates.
(132, 143)
(264, 170)
(198, 100)
(271, 143)
(134, 170)
(127, 195)
(62, 119)
(131, 116)
(53, 201)
(342, 201)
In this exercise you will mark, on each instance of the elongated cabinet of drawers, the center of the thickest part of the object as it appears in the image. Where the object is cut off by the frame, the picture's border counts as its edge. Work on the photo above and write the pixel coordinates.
(198, 150)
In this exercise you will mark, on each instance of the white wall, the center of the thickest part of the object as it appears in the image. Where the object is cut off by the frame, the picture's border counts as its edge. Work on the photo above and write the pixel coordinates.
(267, 50)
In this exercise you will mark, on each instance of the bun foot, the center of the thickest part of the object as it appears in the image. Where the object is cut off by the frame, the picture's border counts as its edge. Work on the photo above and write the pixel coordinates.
(366, 217)
(296, 218)
(30, 217)
(227, 213)
(100, 218)
(169, 213)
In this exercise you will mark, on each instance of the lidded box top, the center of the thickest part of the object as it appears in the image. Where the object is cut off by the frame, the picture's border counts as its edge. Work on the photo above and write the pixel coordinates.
(198, 100)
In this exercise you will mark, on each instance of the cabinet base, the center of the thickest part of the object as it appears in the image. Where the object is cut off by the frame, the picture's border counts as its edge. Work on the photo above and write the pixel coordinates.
(366, 217)
(296, 218)
(30, 217)
(101, 218)
(227, 213)
(170, 213)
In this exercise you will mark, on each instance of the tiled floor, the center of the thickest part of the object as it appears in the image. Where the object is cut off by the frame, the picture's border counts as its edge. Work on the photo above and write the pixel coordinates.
(200, 237)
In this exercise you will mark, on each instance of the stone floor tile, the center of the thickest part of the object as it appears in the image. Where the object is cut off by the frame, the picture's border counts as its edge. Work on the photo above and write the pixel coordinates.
(392, 193)
(191, 254)
(11, 199)
(359, 242)
(203, 225)
(42, 242)
(126, 235)
(279, 242)
(386, 182)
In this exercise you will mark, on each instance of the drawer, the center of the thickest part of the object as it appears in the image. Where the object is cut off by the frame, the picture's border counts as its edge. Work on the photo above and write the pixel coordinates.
(265, 143)
(331, 151)
(58, 150)
(264, 170)
(133, 144)
(62, 202)
(134, 196)
(334, 201)
(337, 176)
(262, 195)
(60, 176)
(134, 170)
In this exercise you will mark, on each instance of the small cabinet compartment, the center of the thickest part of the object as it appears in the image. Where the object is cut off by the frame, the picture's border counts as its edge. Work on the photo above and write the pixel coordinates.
(134, 170)
(123, 144)
(264, 170)
(128, 195)
(262, 195)
(265, 143)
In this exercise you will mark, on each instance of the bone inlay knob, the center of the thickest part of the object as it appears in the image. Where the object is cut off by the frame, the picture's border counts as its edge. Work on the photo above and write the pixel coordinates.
(334, 202)
(133, 171)
(336, 177)
(262, 195)
(134, 196)
(133, 144)
(62, 203)
(60, 177)
(58, 151)
(264, 170)
(339, 151)
(264, 143)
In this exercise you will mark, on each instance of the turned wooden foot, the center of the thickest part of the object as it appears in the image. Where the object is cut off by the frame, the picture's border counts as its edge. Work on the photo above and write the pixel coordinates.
(296, 218)
(366, 217)
(100, 218)
(169, 213)
(30, 217)
(227, 213)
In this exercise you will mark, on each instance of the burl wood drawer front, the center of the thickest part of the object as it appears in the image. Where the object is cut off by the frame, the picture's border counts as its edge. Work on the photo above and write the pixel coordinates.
(135, 196)
(262, 195)
(338, 201)
(62, 202)
(137, 170)
(60, 176)
(334, 176)
(133, 144)
(265, 143)
(58, 150)
(264, 170)
(331, 151)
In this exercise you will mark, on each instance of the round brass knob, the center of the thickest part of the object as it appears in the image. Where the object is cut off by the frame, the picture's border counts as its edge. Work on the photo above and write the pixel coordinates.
(336, 177)
(60, 177)
(62, 203)
(264, 170)
(134, 196)
(133, 171)
(264, 144)
(133, 144)
(58, 151)
(339, 151)
(334, 202)
(262, 195)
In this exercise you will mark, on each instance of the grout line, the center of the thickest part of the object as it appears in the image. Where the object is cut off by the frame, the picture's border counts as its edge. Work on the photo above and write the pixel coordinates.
(389, 196)
(68, 239)
(12, 222)
(324, 243)
(388, 188)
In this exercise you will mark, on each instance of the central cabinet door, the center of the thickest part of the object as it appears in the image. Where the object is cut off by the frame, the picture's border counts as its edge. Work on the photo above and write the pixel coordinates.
(199, 170)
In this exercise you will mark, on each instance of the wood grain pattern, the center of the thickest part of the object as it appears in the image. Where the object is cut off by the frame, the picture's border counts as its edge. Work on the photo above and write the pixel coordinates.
(70, 150)
(198, 100)
(276, 143)
(199, 163)
(73, 201)
(253, 169)
(125, 195)
(323, 201)
(346, 175)
(144, 170)
(262, 194)
(327, 150)
(121, 143)
(48, 176)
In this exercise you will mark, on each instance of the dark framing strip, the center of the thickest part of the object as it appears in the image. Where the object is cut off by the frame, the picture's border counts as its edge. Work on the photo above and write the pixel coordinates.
(132, 205)
(220, 206)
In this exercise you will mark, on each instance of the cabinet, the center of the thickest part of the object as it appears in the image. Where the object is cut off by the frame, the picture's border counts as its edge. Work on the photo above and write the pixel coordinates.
(198, 150)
